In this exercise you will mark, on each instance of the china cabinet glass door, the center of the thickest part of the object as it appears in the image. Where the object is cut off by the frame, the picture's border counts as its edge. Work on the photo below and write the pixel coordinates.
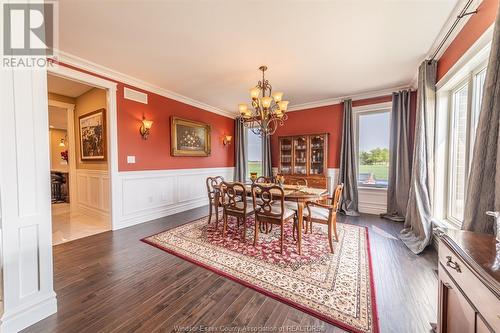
(300, 155)
(286, 156)
(317, 156)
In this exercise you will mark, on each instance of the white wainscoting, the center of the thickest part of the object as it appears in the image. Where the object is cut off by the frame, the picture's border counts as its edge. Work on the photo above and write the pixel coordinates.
(93, 190)
(332, 175)
(148, 195)
(370, 200)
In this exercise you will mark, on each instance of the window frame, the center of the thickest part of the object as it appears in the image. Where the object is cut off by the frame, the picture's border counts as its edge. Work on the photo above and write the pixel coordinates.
(472, 103)
(366, 110)
(248, 131)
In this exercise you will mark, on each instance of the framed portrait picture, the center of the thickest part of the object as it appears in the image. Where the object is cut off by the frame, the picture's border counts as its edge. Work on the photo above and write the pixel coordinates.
(189, 138)
(93, 135)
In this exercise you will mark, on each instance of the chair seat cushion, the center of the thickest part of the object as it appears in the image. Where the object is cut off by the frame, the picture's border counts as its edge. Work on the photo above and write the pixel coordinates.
(288, 204)
(318, 213)
(287, 213)
(238, 208)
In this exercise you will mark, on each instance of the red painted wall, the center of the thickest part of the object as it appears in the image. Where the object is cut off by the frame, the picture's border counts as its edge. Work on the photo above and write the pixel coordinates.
(472, 30)
(325, 119)
(154, 153)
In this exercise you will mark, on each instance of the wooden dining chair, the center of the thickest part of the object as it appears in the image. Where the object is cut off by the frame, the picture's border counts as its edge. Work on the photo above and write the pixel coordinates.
(324, 214)
(300, 182)
(214, 197)
(235, 203)
(270, 208)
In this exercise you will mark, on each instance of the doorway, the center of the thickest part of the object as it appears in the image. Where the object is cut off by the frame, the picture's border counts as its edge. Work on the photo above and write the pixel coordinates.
(80, 178)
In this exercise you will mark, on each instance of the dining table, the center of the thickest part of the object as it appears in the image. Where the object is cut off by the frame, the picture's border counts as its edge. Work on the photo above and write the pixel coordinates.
(299, 194)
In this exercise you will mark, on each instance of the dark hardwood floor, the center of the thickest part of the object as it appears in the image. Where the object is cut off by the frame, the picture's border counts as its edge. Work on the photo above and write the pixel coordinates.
(113, 282)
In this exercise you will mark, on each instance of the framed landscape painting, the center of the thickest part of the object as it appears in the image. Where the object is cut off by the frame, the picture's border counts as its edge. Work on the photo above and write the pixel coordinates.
(93, 135)
(189, 138)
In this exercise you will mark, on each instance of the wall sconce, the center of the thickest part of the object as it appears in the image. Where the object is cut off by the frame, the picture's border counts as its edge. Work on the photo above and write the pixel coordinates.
(226, 140)
(62, 144)
(145, 127)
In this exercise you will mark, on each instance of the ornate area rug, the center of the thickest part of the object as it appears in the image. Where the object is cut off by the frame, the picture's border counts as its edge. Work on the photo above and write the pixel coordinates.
(337, 288)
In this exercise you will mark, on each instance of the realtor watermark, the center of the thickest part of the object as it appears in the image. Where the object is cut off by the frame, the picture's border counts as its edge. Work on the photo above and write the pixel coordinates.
(29, 34)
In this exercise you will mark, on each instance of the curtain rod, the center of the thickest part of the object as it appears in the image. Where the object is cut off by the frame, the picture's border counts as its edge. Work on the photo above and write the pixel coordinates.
(463, 13)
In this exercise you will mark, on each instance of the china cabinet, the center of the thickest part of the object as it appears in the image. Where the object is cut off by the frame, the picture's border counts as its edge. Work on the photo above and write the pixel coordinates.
(304, 156)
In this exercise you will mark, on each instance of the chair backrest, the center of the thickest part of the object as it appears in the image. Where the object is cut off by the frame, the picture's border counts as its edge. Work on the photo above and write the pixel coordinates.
(337, 196)
(301, 182)
(268, 197)
(263, 179)
(213, 186)
(232, 194)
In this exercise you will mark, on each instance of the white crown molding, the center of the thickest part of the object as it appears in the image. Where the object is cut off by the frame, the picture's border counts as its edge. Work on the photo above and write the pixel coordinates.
(372, 107)
(338, 100)
(477, 53)
(92, 67)
(449, 22)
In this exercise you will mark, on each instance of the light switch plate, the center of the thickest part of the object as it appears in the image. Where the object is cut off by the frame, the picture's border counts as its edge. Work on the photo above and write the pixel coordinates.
(130, 159)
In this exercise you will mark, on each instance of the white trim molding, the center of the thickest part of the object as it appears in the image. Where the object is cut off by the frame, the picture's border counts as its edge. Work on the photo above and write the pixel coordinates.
(332, 179)
(149, 195)
(92, 67)
(110, 87)
(370, 200)
(25, 220)
(338, 100)
(89, 66)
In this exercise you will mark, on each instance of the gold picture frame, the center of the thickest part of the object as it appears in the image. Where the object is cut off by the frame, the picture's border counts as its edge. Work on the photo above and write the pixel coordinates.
(92, 131)
(189, 138)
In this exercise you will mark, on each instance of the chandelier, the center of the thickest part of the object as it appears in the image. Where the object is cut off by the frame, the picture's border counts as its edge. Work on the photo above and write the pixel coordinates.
(268, 110)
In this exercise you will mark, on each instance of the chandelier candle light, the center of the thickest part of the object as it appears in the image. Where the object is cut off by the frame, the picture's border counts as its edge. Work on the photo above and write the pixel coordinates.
(268, 108)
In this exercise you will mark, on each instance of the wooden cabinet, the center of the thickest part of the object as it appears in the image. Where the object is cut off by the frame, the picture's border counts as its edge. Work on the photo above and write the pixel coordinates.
(469, 283)
(304, 156)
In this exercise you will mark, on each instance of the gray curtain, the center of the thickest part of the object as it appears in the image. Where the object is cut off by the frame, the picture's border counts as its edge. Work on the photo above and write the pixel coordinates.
(399, 165)
(240, 136)
(267, 168)
(417, 232)
(348, 172)
(483, 190)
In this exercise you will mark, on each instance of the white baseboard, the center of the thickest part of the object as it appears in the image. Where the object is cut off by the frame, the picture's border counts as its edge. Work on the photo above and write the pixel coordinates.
(28, 314)
(149, 195)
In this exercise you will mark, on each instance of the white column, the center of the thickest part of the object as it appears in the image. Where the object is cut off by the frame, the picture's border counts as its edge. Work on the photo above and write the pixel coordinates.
(25, 216)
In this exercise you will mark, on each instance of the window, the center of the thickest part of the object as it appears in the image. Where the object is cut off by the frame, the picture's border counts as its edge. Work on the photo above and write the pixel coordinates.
(458, 152)
(254, 149)
(372, 138)
(465, 107)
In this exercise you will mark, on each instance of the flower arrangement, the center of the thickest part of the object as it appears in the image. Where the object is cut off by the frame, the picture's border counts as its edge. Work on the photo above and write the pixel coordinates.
(64, 155)
(253, 176)
(280, 179)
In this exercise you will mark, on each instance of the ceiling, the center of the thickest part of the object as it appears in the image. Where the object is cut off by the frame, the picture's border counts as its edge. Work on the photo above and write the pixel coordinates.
(58, 118)
(58, 85)
(210, 50)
